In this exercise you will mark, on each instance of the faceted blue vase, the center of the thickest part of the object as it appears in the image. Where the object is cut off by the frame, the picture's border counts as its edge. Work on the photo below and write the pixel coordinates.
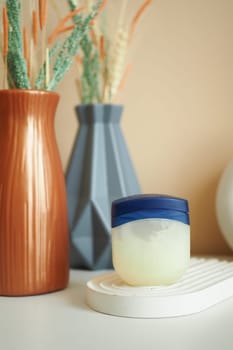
(100, 171)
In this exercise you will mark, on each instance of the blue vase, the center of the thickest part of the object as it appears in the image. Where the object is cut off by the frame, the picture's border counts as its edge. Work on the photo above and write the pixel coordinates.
(100, 171)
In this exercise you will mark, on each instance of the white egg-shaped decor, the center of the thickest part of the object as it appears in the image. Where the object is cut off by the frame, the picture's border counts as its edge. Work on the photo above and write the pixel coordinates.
(224, 204)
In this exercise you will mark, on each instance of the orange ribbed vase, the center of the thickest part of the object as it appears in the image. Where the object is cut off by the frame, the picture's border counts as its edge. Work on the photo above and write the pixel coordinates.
(33, 209)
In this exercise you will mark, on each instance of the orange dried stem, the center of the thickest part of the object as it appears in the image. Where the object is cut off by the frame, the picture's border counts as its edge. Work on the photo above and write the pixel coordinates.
(25, 43)
(62, 30)
(40, 12)
(79, 59)
(99, 11)
(5, 31)
(137, 17)
(102, 5)
(102, 47)
(123, 81)
(43, 13)
(26, 47)
(93, 37)
(66, 29)
(35, 27)
(125, 76)
(60, 25)
(79, 88)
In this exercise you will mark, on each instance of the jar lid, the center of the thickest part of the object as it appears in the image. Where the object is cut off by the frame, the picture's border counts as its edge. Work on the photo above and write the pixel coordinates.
(147, 206)
(148, 201)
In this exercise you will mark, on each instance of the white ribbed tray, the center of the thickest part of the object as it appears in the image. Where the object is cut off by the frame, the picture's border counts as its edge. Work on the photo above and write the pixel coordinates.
(206, 283)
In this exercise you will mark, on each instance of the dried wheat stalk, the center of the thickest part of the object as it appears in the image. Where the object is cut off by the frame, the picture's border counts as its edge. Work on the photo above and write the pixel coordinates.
(116, 65)
(106, 58)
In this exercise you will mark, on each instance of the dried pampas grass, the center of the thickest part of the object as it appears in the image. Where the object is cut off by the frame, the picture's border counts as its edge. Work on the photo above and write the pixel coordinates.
(104, 68)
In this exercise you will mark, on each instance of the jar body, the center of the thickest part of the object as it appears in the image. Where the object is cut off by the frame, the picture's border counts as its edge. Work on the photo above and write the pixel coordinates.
(153, 251)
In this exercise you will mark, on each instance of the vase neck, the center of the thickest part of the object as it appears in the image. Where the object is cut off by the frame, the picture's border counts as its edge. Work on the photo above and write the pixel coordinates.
(99, 113)
(28, 104)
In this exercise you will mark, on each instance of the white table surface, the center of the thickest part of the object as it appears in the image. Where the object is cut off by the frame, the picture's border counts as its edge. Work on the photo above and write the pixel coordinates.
(62, 321)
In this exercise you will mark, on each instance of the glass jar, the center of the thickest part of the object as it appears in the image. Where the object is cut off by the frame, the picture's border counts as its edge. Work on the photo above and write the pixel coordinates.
(150, 239)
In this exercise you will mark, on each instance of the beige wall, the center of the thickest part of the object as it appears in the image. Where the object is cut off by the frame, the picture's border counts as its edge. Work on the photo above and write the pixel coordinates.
(178, 119)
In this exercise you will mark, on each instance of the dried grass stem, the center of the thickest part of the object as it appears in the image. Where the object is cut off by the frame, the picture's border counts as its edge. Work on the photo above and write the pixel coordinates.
(137, 17)
(62, 22)
(26, 48)
(43, 13)
(5, 31)
(35, 27)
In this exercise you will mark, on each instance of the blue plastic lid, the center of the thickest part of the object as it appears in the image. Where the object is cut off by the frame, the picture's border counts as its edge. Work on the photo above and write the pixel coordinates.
(149, 206)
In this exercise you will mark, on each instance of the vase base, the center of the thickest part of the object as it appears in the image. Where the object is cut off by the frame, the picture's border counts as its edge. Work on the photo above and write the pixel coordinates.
(32, 293)
(31, 290)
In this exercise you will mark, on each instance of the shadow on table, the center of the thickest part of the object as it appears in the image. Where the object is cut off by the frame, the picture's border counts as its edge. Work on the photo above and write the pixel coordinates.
(75, 293)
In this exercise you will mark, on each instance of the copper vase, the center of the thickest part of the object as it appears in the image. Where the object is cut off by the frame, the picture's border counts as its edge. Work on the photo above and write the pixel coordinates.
(33, 209)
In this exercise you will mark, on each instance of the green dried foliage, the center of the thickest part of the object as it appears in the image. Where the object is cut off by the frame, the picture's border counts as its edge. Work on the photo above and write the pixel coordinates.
(41, 77)
(103, 66)
(17, 66)
(90, 76)
(72, 5)
(60, 56)
(71, 45)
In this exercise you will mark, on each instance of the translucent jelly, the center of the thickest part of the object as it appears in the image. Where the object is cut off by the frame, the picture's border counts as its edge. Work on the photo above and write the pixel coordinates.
(150, 239)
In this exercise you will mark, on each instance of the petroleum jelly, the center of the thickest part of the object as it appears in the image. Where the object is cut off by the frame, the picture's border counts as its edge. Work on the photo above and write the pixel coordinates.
(150, 239)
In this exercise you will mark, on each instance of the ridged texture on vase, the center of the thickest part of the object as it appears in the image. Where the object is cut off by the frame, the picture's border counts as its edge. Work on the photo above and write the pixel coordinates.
(100, 170)
(33, 212)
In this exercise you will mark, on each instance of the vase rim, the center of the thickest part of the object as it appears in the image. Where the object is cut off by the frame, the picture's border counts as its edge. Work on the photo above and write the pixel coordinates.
(29, 91)
(100, 104)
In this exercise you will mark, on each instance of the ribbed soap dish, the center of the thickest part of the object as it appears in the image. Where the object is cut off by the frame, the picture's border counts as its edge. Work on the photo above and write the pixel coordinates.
(206, 283)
